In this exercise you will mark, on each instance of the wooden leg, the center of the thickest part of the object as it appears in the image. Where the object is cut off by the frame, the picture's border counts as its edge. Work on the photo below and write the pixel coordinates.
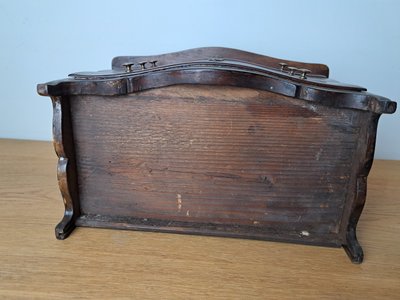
(353, 248)
(67, 224)
(65, 227)
(66, 168)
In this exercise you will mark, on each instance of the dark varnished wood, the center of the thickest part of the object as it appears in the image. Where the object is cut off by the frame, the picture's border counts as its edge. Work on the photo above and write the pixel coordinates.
(216, 54)
(66, 167)
(218, 149)
(138, 82)
(215, 141)
(364, 163)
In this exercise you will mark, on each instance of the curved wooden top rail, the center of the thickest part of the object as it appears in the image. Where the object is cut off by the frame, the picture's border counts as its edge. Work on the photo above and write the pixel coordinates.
(218, 53)
(213, 64)
(217, 71)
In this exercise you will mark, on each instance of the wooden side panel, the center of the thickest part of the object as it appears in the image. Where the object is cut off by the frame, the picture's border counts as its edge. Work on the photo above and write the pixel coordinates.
(252, 161)
(66, 166)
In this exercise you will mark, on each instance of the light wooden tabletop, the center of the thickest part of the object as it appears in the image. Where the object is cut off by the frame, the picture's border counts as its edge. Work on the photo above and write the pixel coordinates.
(113, 264)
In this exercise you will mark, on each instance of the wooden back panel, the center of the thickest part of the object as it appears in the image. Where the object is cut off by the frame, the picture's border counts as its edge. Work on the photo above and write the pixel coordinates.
(233, 160)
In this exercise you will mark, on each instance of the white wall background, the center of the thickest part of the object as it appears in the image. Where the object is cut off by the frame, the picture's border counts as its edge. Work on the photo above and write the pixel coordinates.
(44, 40)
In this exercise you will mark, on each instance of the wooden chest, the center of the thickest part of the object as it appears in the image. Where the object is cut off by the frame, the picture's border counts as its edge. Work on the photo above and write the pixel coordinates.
(215, 141)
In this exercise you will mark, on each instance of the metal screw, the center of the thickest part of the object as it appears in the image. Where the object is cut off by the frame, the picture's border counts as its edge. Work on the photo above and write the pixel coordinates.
(143, 65)
(304, 73)
(283, 66)
(292, 70)
(128, 67)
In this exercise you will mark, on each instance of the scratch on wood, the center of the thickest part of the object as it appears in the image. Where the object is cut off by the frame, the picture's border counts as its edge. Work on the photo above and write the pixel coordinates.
(222, 175)
(304, 233)
(318, 154)
(179, 201)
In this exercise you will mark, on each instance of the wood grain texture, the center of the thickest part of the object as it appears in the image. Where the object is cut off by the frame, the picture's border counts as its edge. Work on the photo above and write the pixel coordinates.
(230, 161)
(112, 264)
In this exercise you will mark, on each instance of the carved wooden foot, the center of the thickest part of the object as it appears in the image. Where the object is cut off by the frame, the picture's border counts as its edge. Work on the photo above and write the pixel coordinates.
(353, 248)
(65, 227)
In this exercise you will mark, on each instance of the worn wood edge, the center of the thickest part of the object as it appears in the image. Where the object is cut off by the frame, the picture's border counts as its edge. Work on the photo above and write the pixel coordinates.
(220, 52)
(122, 86)
(66, 168)
(192, 228)
(42, 89)
(344, 99)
